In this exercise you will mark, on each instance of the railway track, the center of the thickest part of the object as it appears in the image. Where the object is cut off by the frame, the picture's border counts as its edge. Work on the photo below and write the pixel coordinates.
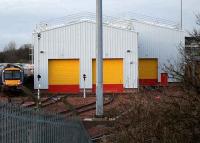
(47, 101)
(28, 99)
(86, 108)
(53, 100)
(98, 138)
(13, 98)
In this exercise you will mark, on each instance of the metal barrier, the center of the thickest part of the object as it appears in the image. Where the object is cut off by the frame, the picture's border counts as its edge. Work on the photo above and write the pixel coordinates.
(20, 125)
(123, 19)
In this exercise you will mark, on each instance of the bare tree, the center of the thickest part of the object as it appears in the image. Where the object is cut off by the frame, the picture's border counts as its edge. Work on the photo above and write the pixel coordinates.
(187, 70)
(11, 54)
(11, 46)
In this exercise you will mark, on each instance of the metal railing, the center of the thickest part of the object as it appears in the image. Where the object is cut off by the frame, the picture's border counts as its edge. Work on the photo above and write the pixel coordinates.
(20, 125)
(121, 20)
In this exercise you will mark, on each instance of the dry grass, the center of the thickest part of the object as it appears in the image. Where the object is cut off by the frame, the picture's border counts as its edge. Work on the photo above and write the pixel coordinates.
(171, 117)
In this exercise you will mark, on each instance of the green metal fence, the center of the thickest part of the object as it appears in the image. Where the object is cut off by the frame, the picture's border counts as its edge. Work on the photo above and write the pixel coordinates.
(21, 125)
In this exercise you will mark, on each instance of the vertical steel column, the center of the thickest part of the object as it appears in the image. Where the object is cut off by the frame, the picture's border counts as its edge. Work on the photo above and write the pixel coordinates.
(181, 14)
(99, 59)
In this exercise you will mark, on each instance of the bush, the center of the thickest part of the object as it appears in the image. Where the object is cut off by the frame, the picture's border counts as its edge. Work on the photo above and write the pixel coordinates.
(170, 119)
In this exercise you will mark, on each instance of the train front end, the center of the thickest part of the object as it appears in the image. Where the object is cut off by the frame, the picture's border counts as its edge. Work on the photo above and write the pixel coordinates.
(12, 77)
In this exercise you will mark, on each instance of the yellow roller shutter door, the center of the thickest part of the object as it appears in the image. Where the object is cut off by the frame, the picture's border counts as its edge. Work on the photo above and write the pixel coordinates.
(64, 72)
(148, 69)
(112, 71)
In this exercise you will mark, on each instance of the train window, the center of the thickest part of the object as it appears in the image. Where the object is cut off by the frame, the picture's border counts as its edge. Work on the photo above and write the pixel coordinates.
(8, 75)
(16, 74)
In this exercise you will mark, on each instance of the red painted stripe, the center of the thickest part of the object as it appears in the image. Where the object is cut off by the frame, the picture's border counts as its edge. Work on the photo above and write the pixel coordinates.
(107, 88)
(148, 82)
(64, 88)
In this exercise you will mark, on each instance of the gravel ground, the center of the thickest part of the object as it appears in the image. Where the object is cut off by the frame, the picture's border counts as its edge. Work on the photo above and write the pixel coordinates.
(97, 128)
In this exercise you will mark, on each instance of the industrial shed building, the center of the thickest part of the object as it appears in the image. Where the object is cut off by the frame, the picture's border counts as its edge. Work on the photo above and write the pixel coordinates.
(157, 45)
(134, 54)
(63, 54)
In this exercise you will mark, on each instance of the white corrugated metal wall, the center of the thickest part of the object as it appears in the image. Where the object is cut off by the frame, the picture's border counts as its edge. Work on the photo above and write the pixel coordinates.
(77, 41)
(160, 42)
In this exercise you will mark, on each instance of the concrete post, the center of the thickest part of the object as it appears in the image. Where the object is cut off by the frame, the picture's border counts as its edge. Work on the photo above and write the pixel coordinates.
(99, 59)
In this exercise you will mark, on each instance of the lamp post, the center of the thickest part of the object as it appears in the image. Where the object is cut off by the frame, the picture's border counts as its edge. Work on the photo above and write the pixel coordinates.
(99, 59)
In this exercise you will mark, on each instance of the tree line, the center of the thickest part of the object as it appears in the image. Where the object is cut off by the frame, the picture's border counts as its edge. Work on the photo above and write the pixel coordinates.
(12, 54)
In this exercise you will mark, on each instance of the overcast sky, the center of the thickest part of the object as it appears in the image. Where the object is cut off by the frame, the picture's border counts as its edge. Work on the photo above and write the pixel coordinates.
(19, 17)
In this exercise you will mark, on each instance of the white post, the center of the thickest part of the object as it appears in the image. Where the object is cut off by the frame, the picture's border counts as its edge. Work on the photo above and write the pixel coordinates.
(38, 92)
(84, 93)
(38, 76)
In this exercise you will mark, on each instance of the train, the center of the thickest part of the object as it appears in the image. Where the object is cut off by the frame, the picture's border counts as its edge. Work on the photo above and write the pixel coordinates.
(12, 77)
